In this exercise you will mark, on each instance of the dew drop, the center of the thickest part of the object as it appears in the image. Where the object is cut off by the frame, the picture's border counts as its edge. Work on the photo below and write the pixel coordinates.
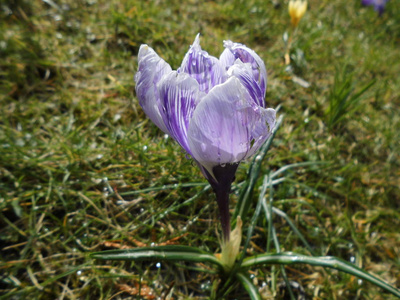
(20, 142)
(144, 148)
(158, 265)
(117, 117)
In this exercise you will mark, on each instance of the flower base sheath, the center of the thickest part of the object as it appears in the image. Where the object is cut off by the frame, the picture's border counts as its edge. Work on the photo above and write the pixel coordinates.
(214, 108)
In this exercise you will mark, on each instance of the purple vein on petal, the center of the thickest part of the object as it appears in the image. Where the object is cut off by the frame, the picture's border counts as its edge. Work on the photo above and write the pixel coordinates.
(236, 51)
(244, 73)
(179, 95)
(225, 125)
(206, 69)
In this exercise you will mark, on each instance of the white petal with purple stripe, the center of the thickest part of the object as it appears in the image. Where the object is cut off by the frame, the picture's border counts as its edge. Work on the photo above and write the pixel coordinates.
(151, 69)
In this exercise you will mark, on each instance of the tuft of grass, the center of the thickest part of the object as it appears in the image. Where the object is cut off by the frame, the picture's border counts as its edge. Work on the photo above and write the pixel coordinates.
(343, 99)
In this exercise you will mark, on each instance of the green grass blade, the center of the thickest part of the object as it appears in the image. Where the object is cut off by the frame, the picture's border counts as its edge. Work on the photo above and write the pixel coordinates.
(289, 258)
(166, 253)
(250, 288)
(245, 198)
(255, 218)
(273, 236)
(296, 165)
(162, 188)
(294, 228)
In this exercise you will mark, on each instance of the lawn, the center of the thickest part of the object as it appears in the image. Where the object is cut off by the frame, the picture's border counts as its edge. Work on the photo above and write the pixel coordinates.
(82, 168)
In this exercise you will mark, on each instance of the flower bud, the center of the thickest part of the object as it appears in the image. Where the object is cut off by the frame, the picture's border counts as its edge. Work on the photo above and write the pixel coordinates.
(297, 9)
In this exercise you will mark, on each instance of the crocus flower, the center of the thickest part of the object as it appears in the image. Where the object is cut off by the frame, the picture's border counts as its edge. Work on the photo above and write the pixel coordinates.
(379, 5)
(214, 108)
(297, 9)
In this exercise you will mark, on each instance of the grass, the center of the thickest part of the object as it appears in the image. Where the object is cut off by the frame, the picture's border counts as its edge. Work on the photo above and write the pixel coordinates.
(82, 169)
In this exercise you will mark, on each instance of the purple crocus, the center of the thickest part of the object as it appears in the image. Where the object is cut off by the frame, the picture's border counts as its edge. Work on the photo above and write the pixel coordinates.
(379, 5)
(214, 108)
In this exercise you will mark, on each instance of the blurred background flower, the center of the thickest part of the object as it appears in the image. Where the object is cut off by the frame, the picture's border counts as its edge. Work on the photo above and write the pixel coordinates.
(297, 9)
(379, 5)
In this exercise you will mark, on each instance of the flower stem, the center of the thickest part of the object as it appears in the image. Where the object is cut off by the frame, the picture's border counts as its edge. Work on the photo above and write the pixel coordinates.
(221, 180)
(224, 215)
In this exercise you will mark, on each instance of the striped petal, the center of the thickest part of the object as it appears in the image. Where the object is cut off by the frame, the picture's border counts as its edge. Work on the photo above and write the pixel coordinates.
(151, 70)
(244, 72)
(227, 126)
(236, 51)
(179, 94)
(206, 69)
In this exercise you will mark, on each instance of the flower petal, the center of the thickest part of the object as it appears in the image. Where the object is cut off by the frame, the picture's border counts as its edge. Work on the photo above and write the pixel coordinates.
(368, 2)
(244, 73)
(227, 125)
(236, 51)
(179, 95)
(151, 69)
(206, 69)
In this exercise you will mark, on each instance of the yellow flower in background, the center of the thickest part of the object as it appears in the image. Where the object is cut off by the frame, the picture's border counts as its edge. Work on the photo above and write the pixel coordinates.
(297, 9)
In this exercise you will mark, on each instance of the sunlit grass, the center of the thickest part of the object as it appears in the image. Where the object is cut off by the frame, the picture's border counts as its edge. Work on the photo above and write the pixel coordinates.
(82, 169)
